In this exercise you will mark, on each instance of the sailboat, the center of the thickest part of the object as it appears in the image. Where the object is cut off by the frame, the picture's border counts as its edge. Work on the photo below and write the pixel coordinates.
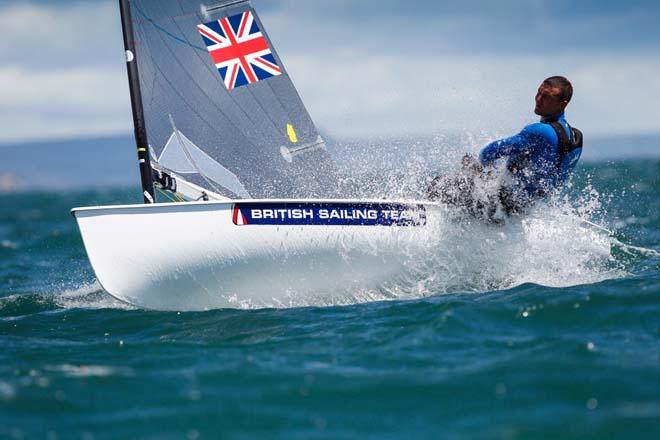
(251, 212)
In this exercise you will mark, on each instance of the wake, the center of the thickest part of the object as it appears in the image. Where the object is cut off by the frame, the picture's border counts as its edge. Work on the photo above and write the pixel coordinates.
(90, 296)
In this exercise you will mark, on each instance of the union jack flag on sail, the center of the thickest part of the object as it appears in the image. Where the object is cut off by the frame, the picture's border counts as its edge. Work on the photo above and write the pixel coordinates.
(239, 50)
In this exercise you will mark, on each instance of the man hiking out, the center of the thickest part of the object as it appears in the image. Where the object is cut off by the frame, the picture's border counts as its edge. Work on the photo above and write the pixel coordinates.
(538, 160)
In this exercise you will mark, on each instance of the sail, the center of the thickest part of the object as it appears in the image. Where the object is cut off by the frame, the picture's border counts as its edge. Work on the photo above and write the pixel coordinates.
(220, 109)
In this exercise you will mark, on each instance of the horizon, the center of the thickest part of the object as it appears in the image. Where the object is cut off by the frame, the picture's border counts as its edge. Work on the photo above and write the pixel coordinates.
(115, 164)
(328, 137)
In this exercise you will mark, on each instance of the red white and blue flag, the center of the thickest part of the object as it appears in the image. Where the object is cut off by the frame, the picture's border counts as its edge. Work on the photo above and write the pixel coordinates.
(239, 50)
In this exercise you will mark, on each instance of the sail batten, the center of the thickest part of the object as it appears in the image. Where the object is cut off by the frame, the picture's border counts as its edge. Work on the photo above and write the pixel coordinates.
(238, 111)
(219, 6)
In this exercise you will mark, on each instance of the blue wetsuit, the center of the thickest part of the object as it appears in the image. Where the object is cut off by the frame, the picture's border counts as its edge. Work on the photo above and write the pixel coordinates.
(532, 159)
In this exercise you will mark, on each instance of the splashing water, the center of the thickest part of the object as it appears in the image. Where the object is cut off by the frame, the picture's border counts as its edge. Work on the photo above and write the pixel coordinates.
(89, 296)
(555, 245)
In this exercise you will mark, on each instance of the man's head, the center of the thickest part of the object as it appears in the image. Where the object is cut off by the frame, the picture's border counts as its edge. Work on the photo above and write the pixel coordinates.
(553, 96)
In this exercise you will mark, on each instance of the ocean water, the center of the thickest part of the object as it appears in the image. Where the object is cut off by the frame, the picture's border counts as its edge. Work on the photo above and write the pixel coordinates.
(556, 335)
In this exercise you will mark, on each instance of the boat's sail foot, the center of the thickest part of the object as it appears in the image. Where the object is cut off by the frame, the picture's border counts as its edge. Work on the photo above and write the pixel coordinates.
(221, 111)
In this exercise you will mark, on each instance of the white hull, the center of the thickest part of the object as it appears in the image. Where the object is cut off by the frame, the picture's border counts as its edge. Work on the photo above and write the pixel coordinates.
(194, 256)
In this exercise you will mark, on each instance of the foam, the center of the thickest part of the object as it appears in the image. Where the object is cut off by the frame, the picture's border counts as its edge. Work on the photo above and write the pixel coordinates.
(89, 296)
(554, 246)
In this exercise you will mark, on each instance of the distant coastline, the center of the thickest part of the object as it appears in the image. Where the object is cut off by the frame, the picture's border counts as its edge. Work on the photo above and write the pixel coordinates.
(68, 164)
(9, 183)
(110, 161)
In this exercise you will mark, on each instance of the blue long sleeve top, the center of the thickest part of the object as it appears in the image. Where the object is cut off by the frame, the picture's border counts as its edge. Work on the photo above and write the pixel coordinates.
(532, 156)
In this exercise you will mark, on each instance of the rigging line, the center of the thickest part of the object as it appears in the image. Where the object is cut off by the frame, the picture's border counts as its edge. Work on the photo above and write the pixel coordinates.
(214, 72)
(625, 247)
(597, 226)
(190, 158)
(210, 99)
(173, 197)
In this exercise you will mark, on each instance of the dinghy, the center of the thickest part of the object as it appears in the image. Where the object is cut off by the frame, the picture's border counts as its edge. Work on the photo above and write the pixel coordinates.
(252, 213)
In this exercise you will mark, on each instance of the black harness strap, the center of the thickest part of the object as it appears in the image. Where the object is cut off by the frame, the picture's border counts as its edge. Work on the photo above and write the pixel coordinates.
(566, 144)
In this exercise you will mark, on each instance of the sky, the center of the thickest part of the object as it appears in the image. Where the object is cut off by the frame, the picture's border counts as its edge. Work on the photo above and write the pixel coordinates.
(363, 68)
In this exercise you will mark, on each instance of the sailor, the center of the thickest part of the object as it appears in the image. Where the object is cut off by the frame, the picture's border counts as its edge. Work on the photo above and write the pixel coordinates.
(537, 160)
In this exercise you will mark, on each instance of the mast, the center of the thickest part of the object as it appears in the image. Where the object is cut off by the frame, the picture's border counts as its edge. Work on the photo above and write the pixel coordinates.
(141, 141)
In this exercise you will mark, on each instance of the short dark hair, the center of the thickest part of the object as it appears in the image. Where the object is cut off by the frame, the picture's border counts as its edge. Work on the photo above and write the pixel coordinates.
(564, 85)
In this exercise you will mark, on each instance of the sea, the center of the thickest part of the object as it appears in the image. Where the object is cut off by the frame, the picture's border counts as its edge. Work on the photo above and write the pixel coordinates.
(555, 336)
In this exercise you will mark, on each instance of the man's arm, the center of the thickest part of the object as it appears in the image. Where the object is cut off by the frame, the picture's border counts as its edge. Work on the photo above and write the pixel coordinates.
(504, 148)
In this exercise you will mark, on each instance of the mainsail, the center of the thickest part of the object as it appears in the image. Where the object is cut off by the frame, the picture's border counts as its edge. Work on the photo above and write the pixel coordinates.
(219, 108)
